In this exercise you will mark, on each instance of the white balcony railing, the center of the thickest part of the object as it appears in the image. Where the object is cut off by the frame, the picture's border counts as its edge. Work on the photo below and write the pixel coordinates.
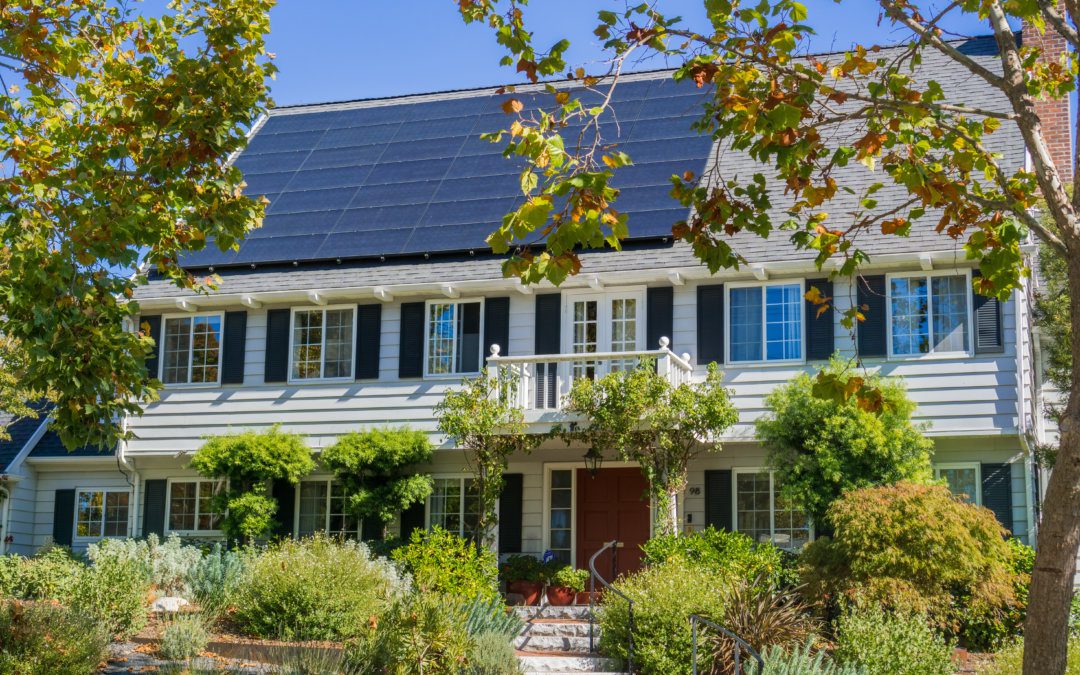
(544, 380)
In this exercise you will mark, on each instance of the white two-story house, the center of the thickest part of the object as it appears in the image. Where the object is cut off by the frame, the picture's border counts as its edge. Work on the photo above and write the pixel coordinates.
(369, 293)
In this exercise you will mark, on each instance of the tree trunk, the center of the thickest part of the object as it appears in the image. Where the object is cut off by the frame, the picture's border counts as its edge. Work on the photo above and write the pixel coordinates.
(1046, 629)
(673, 512)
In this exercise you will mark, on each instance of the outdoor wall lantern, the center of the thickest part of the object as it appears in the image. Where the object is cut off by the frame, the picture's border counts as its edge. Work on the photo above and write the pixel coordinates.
(593, 459)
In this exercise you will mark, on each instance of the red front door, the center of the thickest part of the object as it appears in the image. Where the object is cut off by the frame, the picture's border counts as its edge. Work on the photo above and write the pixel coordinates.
(614, 504)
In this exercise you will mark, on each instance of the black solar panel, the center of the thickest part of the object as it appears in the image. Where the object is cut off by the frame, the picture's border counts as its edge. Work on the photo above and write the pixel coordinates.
(415, 177)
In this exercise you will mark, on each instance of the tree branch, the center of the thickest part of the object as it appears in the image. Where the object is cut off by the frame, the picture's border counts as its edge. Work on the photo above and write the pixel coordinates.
(1055, 19)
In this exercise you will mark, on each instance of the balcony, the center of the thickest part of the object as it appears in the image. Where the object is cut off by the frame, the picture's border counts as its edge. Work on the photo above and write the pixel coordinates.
(544, 380)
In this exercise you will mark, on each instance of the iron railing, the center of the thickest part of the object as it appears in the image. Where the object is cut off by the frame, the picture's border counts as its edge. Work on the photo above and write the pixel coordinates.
(740, 645)
(613, 545)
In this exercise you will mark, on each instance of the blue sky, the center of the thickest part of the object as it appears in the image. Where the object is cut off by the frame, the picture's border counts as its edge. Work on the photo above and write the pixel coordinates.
(331, 50)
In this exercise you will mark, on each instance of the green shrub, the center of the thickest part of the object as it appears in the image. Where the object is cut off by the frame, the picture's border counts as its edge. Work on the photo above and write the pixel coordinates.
(185, 636)
(764, 617)
(989, 630)
(168, 562)
(215, 579)
(115, 590)
(50, 574)
(891, 643)
(731, 553)
(561, 575)
(884, 552)
(800, 660)
(1010, 659)
(664, 596)
(522, 568)
(444, 562)
(42, 638)
(314, 589)
(492, 654)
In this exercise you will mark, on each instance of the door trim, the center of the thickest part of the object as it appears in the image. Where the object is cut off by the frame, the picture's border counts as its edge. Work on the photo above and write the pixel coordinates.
(545, 513)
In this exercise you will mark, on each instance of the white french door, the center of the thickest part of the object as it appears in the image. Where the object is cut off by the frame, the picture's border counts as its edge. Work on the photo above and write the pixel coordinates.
(603, 322)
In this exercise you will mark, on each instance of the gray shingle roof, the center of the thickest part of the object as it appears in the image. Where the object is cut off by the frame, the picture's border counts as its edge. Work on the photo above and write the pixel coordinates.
(48, 445)
(20, 430)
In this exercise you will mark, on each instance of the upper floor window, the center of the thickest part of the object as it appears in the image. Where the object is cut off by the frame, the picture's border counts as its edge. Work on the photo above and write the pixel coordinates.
(928, 314)
(191, 506)
(763, 515)
(963, 480)
(766, 322)
(192, 349)
(453, 337)
(322, 343)
(101, 513)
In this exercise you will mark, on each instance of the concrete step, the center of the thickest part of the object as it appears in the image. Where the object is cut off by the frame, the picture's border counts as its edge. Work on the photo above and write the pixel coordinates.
(553, 643)
(560, 627)
(577, 612)
(540, 663)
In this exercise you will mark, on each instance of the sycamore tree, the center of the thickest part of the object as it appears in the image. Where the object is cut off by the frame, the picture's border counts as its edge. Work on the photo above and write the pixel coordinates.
(116, 126)
(809, 122)
(646, 419)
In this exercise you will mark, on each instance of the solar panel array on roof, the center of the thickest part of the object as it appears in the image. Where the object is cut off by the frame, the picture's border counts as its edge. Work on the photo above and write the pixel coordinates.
(415, 177)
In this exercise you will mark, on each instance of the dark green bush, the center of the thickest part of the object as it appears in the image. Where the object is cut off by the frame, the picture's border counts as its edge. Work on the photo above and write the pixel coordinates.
(731, 553)
(446, 563)
(990, 630)
(883, 642)
(521, 568)
(664, 596)
(314, 589)
(44, 638)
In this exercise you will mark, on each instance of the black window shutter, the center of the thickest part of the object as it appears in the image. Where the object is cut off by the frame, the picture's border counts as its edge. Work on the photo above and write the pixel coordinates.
(659, 316)
(154, 322)
(819, 329)
(710, 323)
(510, 508)
(718, 499)
(63, 517)
(997, 492)
(548, 323)
(412, 519)
(154, 496)
(411, 354)
(368, 341)
(873, 331)
(277, 346)
(284, 493)
(233, 347)
(496, 327)
(989, 337)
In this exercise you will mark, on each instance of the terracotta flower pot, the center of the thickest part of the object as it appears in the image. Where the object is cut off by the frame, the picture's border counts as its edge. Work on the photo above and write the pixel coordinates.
(583, 598)
(528, 590)
(560, 595)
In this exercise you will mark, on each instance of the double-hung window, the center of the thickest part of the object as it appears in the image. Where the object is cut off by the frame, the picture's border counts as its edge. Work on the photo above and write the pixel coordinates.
(322, 343)
(101, 513)
(928, 314)
(766, 322)
(191, 351)
(963, 479)
(191, 505)
(454, 505)
(453, 331)
(322, 509)
(763, 515)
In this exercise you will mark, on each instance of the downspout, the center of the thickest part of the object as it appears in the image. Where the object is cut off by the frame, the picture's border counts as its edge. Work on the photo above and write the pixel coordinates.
(1029, 402)
(5, 510)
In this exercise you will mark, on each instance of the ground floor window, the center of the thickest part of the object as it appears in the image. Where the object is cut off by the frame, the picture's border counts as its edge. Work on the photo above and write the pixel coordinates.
(101, 513)
(560, 528)
(454, 505)
(322, 509)
(963, 480)
(191, 506)
(762, 514)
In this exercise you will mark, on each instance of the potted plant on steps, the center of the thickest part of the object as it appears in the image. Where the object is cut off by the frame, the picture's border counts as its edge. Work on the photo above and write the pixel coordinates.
(522, 576)
(564, 583)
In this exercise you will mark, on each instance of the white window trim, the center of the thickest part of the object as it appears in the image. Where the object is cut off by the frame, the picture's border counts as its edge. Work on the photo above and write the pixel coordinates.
(546, 512)
(968, 338)
(603, 316)
(168, 507)
(322, 354)
(329, 480)
(191, 350)
(464, 478)
(764, 308)
(427, 336)
(735, 472)
(75, 515)
(964, 465)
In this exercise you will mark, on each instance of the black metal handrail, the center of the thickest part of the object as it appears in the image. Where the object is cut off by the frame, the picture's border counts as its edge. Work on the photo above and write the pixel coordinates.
(629, 603)
(740, 644)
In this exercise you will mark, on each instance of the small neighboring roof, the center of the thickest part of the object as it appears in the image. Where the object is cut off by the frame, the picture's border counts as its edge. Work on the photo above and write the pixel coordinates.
(22, 430)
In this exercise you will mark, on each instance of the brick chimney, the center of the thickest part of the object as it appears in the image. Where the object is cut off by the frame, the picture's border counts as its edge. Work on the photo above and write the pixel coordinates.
(1054, 114)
